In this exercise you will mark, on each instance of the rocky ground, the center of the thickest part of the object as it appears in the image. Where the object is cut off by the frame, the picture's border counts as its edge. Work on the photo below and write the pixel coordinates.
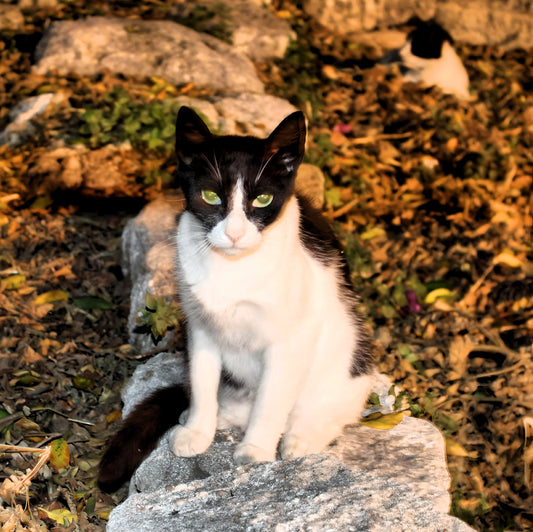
(430, 196)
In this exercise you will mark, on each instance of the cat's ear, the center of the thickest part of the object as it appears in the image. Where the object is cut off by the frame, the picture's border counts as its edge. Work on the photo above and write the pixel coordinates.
(286, 144)
(192, 134)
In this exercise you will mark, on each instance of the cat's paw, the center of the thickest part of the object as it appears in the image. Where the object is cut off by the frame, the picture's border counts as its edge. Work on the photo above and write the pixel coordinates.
(247, 453)
(295, 446)
(189, 442)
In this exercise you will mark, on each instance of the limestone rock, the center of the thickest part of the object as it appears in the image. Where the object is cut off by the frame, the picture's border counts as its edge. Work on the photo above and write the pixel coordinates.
(148, 257)
(365, 15)
(254, 31)
(498, 22)
(380, 480)
(494, 23)
(144, 48)
(21, 115)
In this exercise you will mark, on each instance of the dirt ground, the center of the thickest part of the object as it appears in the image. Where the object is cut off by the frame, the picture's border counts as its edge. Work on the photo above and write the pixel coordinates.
(431, 197)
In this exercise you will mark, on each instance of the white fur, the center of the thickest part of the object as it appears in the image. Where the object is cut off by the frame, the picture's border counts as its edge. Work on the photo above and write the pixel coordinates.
(446, 72)
(273, 317)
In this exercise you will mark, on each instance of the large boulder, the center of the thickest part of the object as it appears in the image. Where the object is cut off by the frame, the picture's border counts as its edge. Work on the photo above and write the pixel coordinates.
(377, 480)
(498, 22)
(253, 30)
(144, 48)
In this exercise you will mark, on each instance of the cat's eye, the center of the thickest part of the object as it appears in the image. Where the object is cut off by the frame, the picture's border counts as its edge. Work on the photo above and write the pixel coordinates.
(210, 197)
(263, 200)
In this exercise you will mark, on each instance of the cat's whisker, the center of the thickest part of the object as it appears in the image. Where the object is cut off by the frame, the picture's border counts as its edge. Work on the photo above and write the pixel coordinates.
(262, 169)
(215, 169)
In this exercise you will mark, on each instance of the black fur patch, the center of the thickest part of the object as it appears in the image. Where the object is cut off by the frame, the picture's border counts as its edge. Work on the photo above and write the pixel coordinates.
(139, 435)
(427, 39)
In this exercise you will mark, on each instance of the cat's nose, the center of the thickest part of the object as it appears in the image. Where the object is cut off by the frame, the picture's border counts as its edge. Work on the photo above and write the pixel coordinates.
(235, 229)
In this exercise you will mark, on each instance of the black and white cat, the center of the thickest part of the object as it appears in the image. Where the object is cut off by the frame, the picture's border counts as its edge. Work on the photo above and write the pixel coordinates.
(428, 56)
(274, 343)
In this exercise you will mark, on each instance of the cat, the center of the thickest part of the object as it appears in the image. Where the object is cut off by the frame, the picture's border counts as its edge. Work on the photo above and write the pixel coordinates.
(429, 57)
(274, 343)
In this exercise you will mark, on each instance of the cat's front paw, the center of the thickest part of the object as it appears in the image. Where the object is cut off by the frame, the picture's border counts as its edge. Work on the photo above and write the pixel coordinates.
(294, 446)
(189, 442)
(247, 453)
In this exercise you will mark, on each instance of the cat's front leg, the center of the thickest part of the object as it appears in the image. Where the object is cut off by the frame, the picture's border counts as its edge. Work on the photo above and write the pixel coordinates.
(275, 398)
(196, 435)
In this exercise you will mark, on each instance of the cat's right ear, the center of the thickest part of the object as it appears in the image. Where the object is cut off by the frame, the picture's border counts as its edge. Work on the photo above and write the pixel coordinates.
(192, 134)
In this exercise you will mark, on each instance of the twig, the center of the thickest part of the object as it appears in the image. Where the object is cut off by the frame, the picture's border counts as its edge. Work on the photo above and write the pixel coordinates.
(9, 197)
(383, 136)
(342, 210)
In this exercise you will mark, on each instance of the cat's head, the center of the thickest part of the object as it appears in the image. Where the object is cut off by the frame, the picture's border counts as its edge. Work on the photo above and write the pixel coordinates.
(236, 187)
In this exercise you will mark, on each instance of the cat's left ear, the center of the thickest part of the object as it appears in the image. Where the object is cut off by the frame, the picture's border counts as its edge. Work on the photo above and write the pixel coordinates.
(287, 142)
(192, 134)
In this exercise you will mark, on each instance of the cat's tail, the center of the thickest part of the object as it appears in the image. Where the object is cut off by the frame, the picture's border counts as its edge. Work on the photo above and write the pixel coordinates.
(139, 434)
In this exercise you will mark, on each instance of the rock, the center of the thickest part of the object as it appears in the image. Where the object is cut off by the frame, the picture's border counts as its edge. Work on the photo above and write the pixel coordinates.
(21, 115)
(474, 21)
(494, 23)
(254, 31)
(251, 114)
(105, 170)
(38, 4)
(11, 18)
(380, 480)
(311, 183)
(241, 114)
(144, 48)
(365, 15)
(148, 255)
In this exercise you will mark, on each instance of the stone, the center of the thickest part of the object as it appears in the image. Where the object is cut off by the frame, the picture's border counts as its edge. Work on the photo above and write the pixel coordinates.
(254, 31)
(241, 114)
(105, 170)
(144, 48)
(368, 479)
(508, 25)
(495, 23)
(20, 127)
(11, 18)
(344, 17)
(148, 257)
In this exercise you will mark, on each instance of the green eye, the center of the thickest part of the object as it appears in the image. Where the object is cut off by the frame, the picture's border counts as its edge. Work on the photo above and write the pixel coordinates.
(210, 197)
(263, 200)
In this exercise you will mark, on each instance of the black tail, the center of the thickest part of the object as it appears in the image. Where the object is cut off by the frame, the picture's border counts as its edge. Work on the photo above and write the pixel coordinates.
(139, 434)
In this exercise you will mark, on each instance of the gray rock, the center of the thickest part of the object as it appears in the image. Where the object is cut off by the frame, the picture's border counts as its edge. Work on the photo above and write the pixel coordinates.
(365, 15)
(246, 113)
(148, 254)
(144, 48)
(21, 115)
(255, 31)
(381, 480)
(499, 22)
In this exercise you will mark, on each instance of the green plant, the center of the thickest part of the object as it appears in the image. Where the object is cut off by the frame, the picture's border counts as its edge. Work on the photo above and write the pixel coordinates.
(148, 126)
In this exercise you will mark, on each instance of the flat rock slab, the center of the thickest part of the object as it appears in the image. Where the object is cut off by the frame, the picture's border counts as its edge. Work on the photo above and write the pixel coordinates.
(144, 48)
(368, 479)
